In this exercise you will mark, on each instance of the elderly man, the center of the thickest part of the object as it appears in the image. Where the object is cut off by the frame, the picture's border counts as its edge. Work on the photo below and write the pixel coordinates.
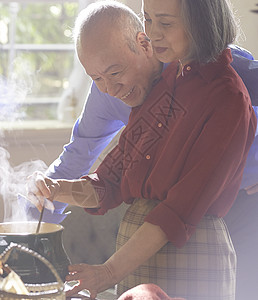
(125, 68)
(132, 89)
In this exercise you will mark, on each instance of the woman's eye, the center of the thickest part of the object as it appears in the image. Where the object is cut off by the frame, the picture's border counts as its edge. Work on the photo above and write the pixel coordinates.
(147, 20)
(165, 24)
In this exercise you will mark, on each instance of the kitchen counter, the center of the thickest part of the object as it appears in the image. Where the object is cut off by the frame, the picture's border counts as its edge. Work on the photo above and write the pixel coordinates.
(106, 295)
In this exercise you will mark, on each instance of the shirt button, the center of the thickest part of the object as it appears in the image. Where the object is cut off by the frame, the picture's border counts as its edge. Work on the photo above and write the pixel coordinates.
(188, 68)
(159, 125)
(147, 156)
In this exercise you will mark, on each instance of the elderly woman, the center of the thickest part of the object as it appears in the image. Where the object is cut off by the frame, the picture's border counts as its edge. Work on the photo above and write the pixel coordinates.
(179, 161)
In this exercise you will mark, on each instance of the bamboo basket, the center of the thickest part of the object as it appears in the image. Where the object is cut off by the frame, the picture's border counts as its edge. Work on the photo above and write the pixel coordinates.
(53, 291)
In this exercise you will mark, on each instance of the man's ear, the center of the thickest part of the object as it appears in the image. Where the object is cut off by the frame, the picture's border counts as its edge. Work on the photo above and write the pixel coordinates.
(145, 43)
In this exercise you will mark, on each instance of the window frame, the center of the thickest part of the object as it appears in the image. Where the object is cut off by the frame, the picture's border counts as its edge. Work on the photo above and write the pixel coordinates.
(12, 48)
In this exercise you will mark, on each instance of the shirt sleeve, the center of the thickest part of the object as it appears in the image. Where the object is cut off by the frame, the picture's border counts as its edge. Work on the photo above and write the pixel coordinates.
(247, 69)
(107, 181)
(250, 175)
(212, 171)
(101, 119)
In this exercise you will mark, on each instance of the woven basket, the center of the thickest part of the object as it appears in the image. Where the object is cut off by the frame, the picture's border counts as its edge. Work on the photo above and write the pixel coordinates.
(51, 291)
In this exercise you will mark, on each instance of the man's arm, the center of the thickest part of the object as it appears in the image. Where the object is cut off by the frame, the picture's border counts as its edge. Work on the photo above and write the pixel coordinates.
(102, 118)
(247, 69)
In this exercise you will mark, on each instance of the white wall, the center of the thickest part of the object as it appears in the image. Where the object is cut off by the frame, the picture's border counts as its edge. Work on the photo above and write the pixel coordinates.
(249, 24)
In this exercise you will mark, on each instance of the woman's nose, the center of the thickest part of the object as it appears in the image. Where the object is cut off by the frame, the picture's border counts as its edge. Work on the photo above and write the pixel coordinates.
(154, 33)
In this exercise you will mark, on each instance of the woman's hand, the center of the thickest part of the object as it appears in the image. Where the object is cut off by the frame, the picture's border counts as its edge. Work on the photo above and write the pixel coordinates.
(94, 278)
(40, 189)
(144, 243)
(79, 192)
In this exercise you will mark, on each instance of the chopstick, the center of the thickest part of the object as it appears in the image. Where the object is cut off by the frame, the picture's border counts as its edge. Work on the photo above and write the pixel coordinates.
(40, 218)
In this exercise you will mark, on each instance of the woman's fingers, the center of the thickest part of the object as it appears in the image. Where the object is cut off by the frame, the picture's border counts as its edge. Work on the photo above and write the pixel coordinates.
(93, 278)
(76, 272)
(36, 185)
(49, 205)
(35, 200)
(76, 267)
(40, 182)
(77, 289)
(41, 190)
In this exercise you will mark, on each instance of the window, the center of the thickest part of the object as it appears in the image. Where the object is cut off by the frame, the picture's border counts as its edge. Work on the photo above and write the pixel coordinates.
(36, 57)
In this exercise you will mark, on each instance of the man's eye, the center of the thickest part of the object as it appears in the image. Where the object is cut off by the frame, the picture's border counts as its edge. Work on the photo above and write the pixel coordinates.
(115, 73)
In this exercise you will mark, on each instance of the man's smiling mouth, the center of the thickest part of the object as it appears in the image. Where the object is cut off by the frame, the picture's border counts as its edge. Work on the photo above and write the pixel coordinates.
(126, 95)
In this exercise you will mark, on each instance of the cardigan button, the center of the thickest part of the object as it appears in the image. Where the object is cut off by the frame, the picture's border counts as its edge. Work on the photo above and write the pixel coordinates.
(188, 68)
(160, 125)
(147, 156)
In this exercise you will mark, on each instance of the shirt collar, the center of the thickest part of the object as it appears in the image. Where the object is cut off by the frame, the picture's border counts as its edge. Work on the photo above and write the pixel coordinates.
(207, 71)
(170, 73)
(210, 70)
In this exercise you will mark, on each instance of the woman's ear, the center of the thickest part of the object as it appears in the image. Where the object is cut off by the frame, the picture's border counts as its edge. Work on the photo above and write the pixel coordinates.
(145, 43)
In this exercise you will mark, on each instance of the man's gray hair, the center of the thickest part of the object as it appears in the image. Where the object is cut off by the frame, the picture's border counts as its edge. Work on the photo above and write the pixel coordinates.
(211, 27)
(116, 14)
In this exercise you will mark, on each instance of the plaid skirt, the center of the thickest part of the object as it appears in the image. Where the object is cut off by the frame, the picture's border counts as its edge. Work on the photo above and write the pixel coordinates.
(204, 269)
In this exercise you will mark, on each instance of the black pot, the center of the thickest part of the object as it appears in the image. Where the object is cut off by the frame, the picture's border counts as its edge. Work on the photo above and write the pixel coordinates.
(48, 243)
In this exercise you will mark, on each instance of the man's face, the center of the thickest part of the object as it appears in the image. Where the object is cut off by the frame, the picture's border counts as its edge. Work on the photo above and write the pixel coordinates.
(116, 69)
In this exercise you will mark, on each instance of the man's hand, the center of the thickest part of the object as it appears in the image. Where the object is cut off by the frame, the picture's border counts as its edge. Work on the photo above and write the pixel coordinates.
(41, 189)
(94, 278)
(250, 190)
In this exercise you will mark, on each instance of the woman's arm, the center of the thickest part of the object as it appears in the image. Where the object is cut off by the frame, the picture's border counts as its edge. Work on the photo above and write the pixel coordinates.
(143, 244)
(79, 192)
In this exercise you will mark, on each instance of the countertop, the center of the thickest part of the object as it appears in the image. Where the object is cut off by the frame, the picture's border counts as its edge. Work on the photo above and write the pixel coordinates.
(106, 295)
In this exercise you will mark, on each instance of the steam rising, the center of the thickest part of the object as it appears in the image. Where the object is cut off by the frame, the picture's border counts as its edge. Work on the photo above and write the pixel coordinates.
(13, 93)
(15, 87)
(12, 182)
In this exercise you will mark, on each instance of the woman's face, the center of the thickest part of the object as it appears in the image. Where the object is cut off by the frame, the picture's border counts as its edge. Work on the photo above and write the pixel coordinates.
(164, 26)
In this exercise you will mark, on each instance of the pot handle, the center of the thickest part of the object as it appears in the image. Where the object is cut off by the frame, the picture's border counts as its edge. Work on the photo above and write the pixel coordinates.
(6, 253)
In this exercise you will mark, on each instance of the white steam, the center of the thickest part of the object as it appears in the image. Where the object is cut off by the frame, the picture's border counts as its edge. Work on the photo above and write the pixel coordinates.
(13, 94)
(15, 89)
(12, 182)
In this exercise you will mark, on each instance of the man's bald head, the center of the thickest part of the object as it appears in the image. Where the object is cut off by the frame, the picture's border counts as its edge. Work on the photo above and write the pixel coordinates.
(102, 19)
(115, 52)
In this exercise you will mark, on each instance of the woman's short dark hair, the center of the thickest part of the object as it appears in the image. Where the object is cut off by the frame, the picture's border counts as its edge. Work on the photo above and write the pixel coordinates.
(211, 27)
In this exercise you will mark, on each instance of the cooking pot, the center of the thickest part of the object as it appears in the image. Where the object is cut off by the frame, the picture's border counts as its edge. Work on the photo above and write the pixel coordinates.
(48, 243)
